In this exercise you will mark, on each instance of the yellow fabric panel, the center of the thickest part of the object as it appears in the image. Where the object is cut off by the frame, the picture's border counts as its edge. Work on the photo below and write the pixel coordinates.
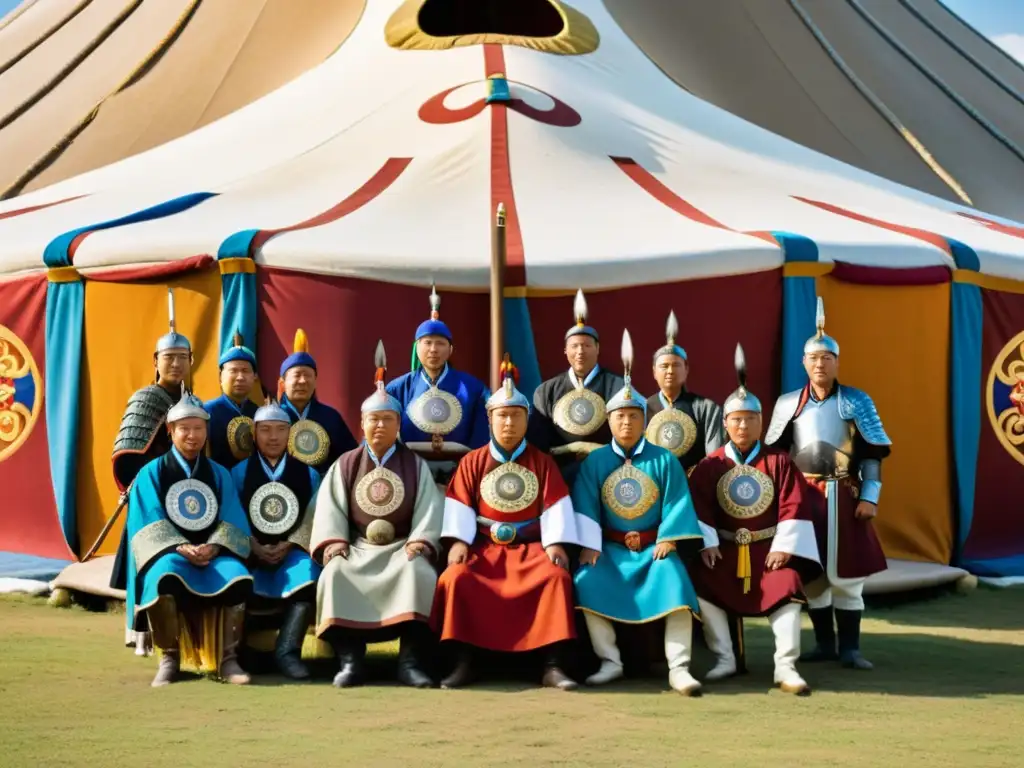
(894, 344)
(122, 323)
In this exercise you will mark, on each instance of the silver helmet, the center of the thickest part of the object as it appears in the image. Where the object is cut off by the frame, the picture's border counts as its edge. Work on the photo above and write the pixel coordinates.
(742, 399)
(172, 339)
(381, 399)
(188, 407)
(820, 341)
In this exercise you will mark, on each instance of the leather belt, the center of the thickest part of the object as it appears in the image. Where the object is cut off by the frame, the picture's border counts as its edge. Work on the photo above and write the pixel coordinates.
(505, 533)
(634, 541)
(746, 536)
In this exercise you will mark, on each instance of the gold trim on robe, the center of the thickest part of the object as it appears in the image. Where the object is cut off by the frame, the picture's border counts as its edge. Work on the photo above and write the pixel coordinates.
(153, 540)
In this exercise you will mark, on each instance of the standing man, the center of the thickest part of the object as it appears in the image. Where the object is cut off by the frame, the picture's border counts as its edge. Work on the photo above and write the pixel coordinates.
(377, 530)
(508, 516)
(836, 438)
(759, 540)
(633, 510)
(231, 414)
(318, 435)
(142, 437)
(687, 424)
(279, 496)
(569, 409)
(444, 411)
(189, 540)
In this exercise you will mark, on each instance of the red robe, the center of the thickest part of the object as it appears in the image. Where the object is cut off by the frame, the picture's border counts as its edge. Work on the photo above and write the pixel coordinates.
(506, 597)
(791, 511)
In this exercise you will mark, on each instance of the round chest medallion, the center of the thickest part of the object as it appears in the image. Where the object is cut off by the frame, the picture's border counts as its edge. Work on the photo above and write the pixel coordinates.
(436, 412)
(674, 430)
(308, 442)
(274, 509)
(191, 505)
(579, 412)
(380, 492)
(509, 488)
(380, 532)
(240, 437)
(628, 492)
(745, 492)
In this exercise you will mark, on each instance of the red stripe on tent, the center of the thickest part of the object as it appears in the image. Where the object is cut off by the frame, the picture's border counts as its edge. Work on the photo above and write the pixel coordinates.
(923, 235)
(997, 226)
(151, 271)
(860, 274)
(652, 186)
(380, 181)
(501, 175)
(29, 209)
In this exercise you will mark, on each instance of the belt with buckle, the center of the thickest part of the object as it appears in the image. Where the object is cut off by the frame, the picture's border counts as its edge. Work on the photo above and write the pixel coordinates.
(743, 536)
(634, 541)
(506, 533)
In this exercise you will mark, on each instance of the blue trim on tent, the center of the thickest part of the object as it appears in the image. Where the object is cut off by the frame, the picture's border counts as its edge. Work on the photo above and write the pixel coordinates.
(15, 565)
(799, 298)
(238, 292)
(965, 395)
(65, 309)
(519, 344)
(237, 245)
(995, 567)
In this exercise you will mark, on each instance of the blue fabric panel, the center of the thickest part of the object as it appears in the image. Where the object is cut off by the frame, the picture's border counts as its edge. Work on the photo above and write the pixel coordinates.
(14, 565)
(965, 393)
(519, 344)
(238, 309)
(996, 567)
(799, 298)
(237, 246)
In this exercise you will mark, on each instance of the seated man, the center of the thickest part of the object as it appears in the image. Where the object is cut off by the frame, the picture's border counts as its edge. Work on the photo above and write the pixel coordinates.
(758, 524)
(508, 514)
(279, 496)
(188, 540)
(633, 509)
(376, 528)
(231, 413)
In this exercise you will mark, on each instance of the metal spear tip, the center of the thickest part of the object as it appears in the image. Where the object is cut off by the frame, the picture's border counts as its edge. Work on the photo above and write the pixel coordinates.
(579, 306)
(627, 350)
(740, 362)
(380, 359)
(671, 327)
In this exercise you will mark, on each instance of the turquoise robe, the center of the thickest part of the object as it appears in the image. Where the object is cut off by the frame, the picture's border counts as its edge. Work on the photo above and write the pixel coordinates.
(473, 431)
(153, 563)
(630, 586)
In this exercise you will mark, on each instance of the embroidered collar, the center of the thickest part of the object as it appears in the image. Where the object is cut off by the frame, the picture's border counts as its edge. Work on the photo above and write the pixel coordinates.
(288, 404)
(734, 453)
(500, 455)
(274, 473)
(574, 380)
(637, 449)
(183, 463)
(426, 378)
(387, 454)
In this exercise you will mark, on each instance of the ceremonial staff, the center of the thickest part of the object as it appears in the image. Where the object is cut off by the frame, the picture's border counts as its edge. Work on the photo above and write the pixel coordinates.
(497, 297)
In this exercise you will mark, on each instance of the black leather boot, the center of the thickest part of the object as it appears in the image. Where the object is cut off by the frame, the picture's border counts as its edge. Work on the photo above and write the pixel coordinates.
(848, 623)
(351, 670)
(554, 676)
(411, 652)
(824, 636)
(462, 675)
(288, 650)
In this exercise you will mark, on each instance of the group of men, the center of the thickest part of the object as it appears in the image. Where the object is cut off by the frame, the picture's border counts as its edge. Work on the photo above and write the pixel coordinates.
(484, 521)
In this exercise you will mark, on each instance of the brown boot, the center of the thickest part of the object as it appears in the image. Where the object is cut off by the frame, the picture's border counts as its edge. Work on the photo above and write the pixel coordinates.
(163, 622)
(230, 670)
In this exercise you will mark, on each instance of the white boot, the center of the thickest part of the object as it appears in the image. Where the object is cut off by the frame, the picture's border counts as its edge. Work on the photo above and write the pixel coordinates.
(785, 623)
(716, 635)
(678, 640)
(143, 643)
(602, 637)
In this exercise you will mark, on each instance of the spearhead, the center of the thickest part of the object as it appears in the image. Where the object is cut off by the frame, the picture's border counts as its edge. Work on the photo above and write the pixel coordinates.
(741, 365)
(819, 317)
(579, 308)
(627, 352)
(671, 328)
(170, 310)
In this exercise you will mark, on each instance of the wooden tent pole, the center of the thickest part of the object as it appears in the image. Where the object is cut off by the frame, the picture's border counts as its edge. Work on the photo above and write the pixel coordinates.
(497, 296)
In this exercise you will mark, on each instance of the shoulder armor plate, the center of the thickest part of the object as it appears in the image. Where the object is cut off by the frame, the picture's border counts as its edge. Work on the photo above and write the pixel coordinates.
(858, 407)
(144, 414)
(782, 414)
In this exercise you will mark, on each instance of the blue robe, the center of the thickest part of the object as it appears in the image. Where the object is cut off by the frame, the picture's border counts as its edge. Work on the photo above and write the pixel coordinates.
(473, 431)
(155, 568)
(222, 410)
(297, 571)
(630, 586)
(335, 426)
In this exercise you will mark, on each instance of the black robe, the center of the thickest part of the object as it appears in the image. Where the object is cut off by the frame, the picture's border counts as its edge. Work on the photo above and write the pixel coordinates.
(706, 414)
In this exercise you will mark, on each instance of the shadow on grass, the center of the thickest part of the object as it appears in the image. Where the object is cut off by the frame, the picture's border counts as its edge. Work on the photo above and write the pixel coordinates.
(982, 608)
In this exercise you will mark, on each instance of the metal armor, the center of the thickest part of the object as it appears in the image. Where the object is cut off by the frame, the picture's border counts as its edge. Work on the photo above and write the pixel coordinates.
(853, 406)
(823, 441)
(146, 411)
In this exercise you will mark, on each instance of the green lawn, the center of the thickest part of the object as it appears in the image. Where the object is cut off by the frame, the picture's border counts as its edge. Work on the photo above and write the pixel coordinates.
(948, 690)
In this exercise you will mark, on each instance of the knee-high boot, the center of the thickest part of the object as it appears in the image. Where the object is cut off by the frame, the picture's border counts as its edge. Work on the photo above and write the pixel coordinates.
(602, 638)
(716, 633)
(785, 624)
(848, 623)
(824, 636)
(288, 650)
(163, 621)
(412, 651)
(234, 623)
(678, 645)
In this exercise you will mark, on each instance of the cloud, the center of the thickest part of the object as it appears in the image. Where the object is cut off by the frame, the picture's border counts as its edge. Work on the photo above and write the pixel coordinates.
(1012, 43)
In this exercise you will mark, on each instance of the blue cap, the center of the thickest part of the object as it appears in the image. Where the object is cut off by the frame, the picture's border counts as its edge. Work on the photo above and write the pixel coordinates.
(579, 310)
(300, 354)
(433, 328)
(238, 351)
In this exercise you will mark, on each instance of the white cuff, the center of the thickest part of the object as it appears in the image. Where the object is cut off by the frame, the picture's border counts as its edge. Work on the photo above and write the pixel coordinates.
(796, 537)
(710, 535)
(459, 521)
(558, 524)
(590, 532)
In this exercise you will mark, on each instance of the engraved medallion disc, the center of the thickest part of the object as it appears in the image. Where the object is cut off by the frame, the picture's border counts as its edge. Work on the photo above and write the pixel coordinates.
(509, 488)
(240, 437)
(191, 505)
(308, 442)
(629, 492)
(579, 412)
(674, 430)
(436, 412)
(380, 492)
(745, 492)
(274, 509)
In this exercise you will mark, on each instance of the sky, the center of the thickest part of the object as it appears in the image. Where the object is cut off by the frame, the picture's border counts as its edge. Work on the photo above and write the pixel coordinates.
(1001, 20)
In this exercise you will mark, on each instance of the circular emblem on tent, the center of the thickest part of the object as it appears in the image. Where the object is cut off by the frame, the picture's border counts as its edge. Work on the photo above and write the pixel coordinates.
(509, 488)
(674, 430)
(308, 442)
(628, 492)
(21, 393)
(380, 492)
(274, 509)
(240, 437)
(191, 505)
(1005, 397)
(579, 412)
(380, 532)
(503, 533)
(745, 492)
(436, 412)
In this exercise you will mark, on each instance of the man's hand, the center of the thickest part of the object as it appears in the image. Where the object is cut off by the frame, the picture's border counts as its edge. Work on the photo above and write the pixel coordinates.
(260, 552)
(589, 556)
(206, 553)
(776, 560)
(337, 549)
(459, 553)
(710, 556)
(414, 548)
(557, 554)
(189, 552)
(865, 510)
(663, 549)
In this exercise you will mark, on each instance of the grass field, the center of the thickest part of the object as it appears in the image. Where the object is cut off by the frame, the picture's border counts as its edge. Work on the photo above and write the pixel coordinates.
(948, 690)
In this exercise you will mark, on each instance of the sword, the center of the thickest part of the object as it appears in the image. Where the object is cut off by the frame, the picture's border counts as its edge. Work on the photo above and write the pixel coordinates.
(122, 502)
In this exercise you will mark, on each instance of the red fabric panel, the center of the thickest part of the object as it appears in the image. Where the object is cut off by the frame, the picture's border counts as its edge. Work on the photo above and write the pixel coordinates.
(863, 275)
(28, 512)
(152, 271)
(345, 316)
(997, 529)
(714, 314)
